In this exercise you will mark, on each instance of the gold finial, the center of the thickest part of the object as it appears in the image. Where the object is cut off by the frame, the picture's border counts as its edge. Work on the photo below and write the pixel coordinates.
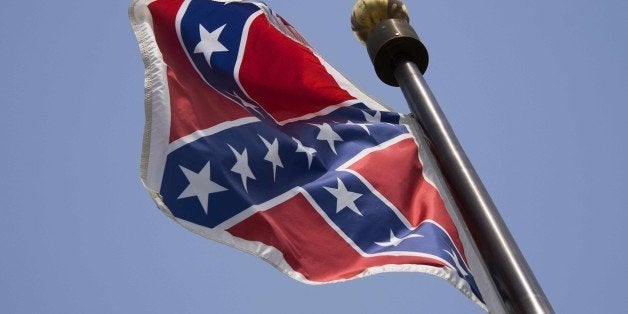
(368, 13)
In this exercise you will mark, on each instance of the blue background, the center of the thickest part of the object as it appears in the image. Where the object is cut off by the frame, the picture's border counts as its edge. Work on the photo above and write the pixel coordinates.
(536, 91)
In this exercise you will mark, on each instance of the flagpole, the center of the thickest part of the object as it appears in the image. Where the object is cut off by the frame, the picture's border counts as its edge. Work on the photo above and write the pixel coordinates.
(400, 59)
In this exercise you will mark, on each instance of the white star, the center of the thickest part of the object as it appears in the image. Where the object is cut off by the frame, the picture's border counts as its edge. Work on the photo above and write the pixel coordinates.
(457, 262)
(344, 198)
(376, 118)
(209, 43)
(200, 185)
(327, 134)
(241, 166)
(273, 155)
(309, 151)
(362, 125)
(394, 241)
(243, 102)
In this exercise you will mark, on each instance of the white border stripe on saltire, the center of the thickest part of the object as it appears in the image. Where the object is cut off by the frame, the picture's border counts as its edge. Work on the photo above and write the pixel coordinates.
(210, 131)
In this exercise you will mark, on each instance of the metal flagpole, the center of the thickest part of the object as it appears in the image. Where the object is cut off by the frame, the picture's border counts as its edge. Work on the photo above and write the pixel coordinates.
(400, 59)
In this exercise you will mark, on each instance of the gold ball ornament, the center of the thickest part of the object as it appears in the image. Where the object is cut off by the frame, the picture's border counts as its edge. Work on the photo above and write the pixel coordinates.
(368, 13)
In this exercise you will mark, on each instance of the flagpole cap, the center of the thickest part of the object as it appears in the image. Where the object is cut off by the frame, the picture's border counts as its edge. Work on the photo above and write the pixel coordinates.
(368, 13)
(383, 26)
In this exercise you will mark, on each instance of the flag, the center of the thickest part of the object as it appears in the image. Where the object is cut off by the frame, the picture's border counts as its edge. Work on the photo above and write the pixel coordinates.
(253, 140)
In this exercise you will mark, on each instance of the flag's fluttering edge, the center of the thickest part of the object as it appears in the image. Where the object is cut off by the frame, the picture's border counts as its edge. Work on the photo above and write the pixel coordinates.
(253, 140)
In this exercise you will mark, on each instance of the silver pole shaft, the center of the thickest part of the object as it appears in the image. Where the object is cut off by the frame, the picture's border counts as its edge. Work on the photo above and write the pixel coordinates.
(515, 282)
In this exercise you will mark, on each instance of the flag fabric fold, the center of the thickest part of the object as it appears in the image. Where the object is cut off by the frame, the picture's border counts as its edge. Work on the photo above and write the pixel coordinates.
(253, 140)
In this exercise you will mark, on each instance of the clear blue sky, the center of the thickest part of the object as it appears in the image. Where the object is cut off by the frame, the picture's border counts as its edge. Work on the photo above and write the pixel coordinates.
(537, 92)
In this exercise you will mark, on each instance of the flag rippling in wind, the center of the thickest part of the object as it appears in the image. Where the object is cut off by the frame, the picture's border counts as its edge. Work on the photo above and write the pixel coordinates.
(254, 141)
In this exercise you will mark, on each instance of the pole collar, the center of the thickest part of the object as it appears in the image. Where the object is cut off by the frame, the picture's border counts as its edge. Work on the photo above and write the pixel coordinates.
(390, 39)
